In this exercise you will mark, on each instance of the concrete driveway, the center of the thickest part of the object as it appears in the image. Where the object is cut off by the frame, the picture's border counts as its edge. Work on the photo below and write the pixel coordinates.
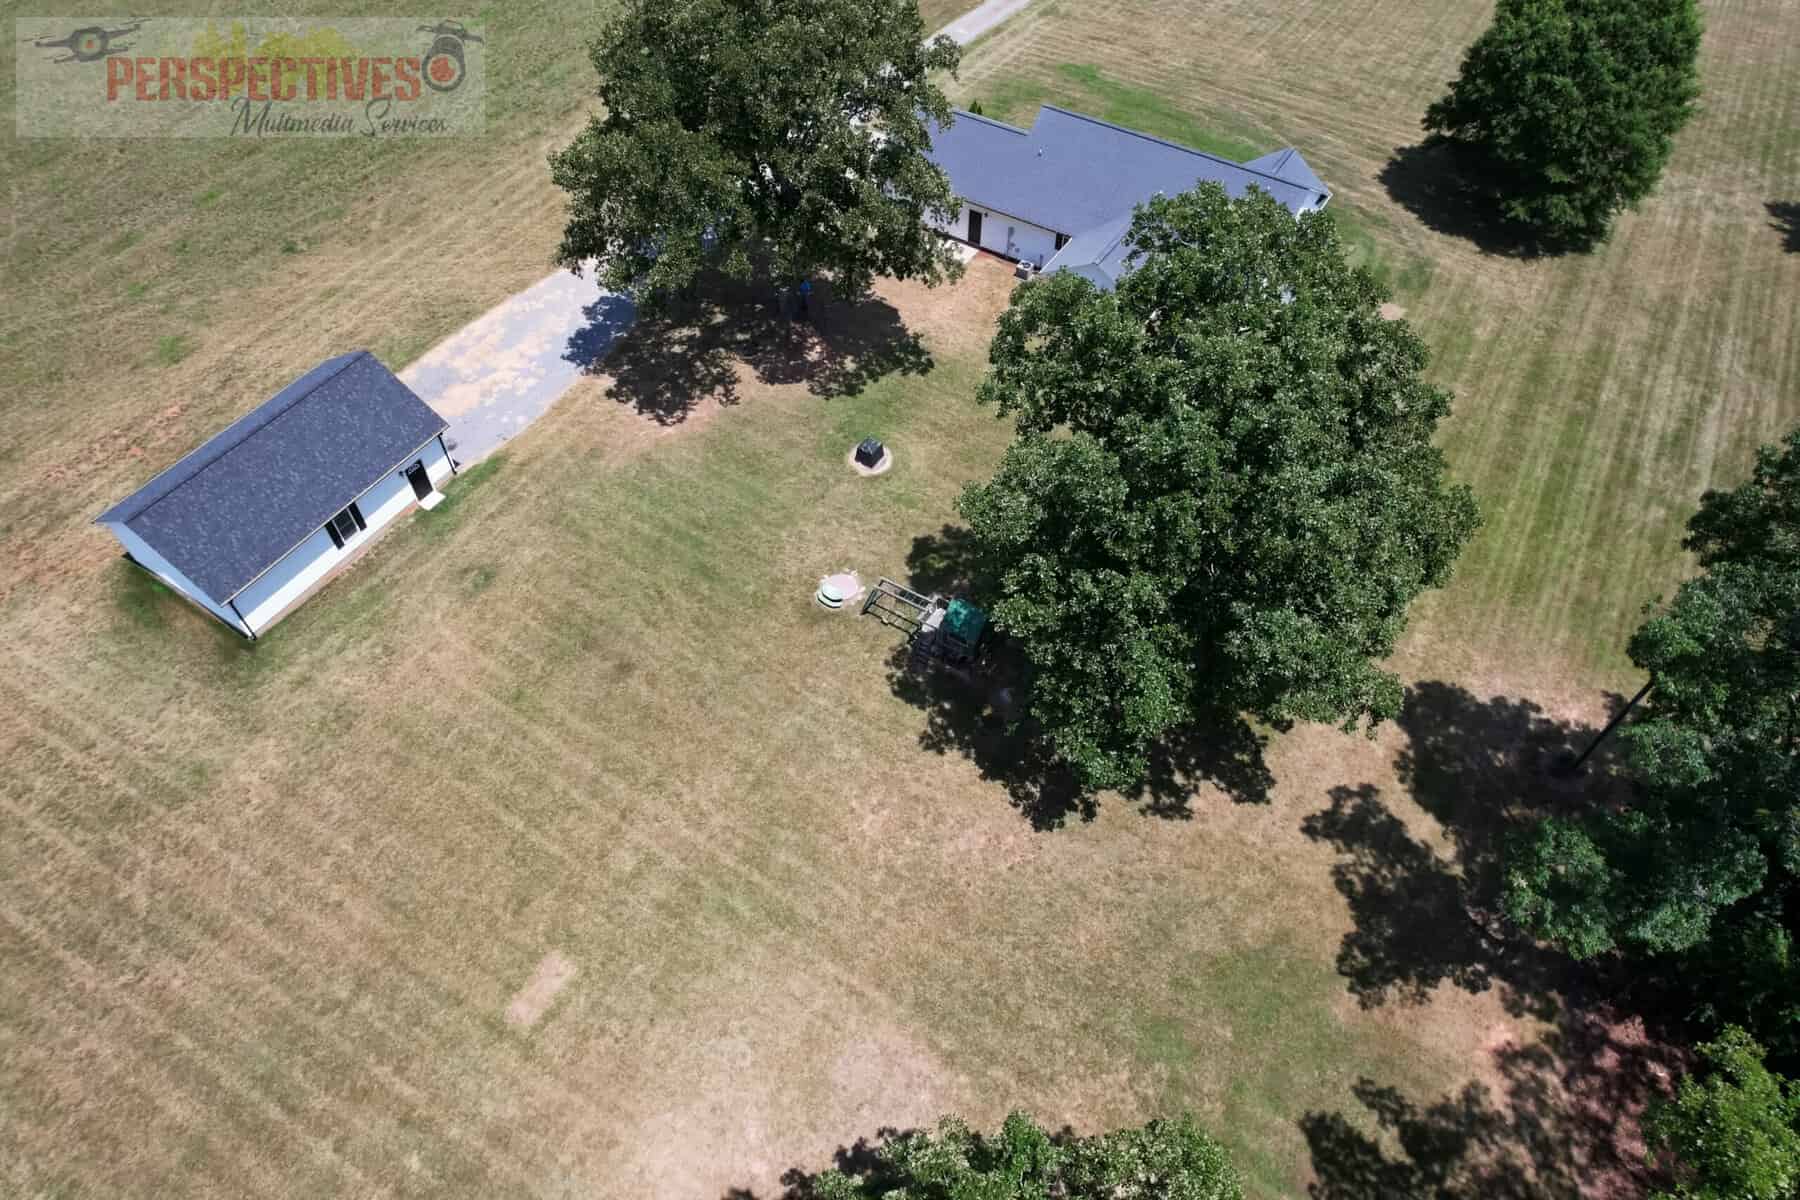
(498, 374)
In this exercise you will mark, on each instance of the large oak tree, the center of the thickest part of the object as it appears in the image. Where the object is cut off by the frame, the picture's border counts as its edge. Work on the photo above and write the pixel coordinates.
(733, 129)
(1704, 861)
(1164, 1160)
(1224, 492)
(1729, 1133)
(1566, 110)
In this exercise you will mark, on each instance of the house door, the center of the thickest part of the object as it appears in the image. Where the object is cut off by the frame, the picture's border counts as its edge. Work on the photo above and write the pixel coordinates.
(421, 482)
(975, 227)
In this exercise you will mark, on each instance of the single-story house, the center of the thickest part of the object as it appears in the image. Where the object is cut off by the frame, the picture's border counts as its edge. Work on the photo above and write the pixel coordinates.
(1060, 194)
(260, 516)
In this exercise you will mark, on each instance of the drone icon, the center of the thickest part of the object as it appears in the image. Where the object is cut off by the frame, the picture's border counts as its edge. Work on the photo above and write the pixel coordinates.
(443, 60)
(88, 44)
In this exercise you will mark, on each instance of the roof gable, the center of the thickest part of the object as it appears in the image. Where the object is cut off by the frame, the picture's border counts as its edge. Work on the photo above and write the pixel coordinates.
(1287, 164)
(234, 506)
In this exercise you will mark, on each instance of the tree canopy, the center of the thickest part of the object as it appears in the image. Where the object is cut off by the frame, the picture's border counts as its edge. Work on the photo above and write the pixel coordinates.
(1165, 1160)
(1223, 493)
(1730, 1131)
(1706, 856)
(1567, 109)
(734, 129)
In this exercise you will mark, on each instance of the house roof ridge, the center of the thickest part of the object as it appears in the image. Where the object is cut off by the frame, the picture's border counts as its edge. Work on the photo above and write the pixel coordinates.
(344, 363)
(986, 120)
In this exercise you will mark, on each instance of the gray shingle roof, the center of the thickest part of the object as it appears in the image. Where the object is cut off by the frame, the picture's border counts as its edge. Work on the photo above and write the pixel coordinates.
(1098, 254)
(252, 492)
(1071, 172)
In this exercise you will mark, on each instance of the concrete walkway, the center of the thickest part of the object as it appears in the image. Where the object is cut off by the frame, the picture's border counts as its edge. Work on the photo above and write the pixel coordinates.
(494, 377)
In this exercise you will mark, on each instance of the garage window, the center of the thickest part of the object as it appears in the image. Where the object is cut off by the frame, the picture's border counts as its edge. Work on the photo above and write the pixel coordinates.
(343, 527)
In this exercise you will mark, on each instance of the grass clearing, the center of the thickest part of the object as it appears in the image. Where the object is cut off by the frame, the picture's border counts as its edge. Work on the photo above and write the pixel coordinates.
(938, 13)
(266, 907)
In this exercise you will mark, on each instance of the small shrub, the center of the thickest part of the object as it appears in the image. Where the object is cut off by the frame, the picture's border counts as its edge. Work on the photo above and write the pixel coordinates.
(173, 348)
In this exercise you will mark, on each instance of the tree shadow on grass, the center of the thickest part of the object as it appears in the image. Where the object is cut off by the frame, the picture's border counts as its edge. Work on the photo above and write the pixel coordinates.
(946, 563)
(974, 716)
(860, 1160)
(1425, 916)
(977, 717)
(1441, 185)
(1222, 750)
(700, 347)
(1784, 218)
(1562, 1124)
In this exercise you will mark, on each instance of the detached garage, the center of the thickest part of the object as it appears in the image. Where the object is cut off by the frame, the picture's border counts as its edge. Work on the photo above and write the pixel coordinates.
(254, 521)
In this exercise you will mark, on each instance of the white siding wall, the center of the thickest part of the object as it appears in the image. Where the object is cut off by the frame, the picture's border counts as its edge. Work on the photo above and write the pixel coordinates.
(315, 558)
(1018, 239)
(1026, 241)
(159, 566)
(957, 226)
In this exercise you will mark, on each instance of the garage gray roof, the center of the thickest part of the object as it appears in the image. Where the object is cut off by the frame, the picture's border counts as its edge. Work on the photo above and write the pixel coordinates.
(236, 505)
(1071, 172)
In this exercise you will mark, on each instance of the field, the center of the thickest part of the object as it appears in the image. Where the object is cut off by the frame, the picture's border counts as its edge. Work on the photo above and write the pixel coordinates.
(563, 848)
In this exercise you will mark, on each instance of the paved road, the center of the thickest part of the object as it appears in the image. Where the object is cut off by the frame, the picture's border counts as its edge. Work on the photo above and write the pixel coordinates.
(979, 20)
(494, 377)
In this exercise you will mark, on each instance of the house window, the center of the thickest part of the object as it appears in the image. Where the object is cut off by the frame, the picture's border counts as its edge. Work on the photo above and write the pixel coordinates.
(343, 527)
(1062, 239)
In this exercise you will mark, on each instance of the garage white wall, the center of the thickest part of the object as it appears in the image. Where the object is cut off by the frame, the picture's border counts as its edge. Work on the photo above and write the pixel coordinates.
(315, 558)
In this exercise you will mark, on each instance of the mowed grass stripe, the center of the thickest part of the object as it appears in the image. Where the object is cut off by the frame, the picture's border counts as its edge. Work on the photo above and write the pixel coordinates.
(215, 1083)
(287, 895)
(239, 986)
